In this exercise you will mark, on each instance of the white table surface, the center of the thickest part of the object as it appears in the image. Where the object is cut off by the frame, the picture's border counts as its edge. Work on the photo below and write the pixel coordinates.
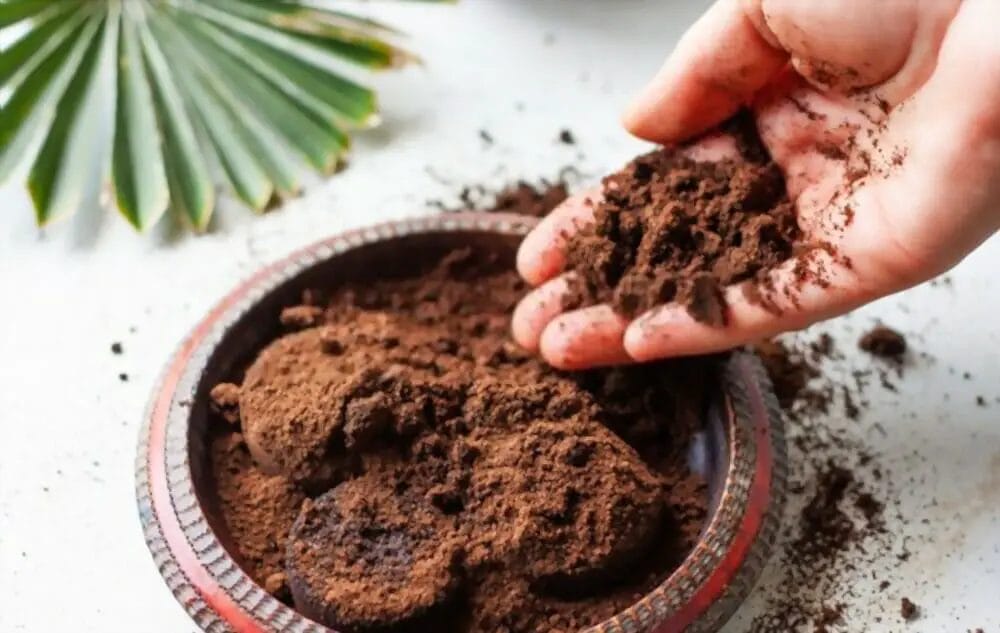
(71, 552)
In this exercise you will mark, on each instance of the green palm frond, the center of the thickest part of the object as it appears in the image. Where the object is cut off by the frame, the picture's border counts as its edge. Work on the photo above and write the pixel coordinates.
(253, 87)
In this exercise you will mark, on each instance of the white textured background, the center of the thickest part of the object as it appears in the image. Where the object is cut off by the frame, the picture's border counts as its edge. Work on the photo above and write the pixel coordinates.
(71, 551)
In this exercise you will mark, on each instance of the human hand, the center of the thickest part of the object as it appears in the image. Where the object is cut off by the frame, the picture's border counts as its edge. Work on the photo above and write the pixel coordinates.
(887, 114)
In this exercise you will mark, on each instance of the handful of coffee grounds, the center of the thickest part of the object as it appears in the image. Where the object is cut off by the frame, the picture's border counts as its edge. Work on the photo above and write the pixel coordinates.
(669, 228)
(401, 465)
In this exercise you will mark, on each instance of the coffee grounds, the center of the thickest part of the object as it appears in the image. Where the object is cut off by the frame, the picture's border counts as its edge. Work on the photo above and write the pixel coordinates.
(839, 493)
(477, 489)
(523, 197)
(670, 228)
(258, 511)
(527, 199)
(908, 610)
(581, 507)
(364, 557)
(884, 342)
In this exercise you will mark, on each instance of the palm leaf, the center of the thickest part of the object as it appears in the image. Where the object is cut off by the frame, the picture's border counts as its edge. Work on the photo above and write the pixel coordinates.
(247, 92)
(57, 178)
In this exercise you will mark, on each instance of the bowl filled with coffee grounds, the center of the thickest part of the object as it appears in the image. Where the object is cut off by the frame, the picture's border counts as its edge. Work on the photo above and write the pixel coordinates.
(351, 441)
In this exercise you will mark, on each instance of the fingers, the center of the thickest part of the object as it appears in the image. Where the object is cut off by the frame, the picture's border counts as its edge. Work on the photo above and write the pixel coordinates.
(712, 147)
(541, 255)
(591, 337)
(536, 310)
(719, 64)
(847, 44)
(852, 44)
(573, 340)
(939, 202)
(785, 304)
(815, 137)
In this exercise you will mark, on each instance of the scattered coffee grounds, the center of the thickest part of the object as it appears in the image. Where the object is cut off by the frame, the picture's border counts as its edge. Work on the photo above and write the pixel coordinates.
(884, 342)
(566, 137)
(401, 465)
(116, 348)
(836, 510)
(908, 610)
(673, 229)
(791, 375)
(525, 198)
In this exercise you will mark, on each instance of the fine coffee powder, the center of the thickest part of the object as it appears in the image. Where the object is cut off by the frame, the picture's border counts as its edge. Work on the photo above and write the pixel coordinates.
(396, 463)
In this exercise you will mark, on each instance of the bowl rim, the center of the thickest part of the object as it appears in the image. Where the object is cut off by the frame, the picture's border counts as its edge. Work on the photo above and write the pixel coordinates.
(699, 595)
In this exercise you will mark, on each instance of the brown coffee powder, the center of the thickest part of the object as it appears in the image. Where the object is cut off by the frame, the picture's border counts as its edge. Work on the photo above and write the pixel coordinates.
(670, 228)
(440, 478)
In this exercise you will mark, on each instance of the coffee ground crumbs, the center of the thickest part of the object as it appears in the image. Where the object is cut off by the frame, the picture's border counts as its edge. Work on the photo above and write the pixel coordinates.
(669, 228)
(527, 199)
(884, 342)
(838, 491)
(535, 199)
(908, 609)
(400, 464)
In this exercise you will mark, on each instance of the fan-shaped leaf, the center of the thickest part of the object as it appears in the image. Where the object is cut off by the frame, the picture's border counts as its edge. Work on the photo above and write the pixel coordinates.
(26, 53)
(294, 14)
(319, 142)
(32, 106)
(248, 179)
(58, 176)
(191, 190)
(13, 11)
(218, 102)
(312, 43)
(137, 169)
(253, 86)
(329, 96)
(354, 39)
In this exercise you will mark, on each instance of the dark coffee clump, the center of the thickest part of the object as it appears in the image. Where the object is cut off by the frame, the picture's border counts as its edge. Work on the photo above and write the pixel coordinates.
(884, 342)
(908, 609)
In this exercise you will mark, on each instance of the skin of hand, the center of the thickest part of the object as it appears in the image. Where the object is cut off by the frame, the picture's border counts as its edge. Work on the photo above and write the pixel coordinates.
(914, 83)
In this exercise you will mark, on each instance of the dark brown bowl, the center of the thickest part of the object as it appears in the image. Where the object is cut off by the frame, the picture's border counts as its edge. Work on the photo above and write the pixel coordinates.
(740, 451)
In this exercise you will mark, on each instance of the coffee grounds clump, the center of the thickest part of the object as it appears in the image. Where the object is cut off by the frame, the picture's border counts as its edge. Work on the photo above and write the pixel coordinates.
(883, 342)
(364, 556)
(672, 229)
(404, 466)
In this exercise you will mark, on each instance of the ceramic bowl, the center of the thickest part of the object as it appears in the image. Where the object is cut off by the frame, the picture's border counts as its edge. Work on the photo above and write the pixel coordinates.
(740, 451)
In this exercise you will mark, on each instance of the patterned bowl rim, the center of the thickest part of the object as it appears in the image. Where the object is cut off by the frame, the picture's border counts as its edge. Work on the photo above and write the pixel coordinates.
(699, 596)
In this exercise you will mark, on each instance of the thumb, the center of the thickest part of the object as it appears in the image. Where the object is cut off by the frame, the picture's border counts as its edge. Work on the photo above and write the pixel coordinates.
(717, 67)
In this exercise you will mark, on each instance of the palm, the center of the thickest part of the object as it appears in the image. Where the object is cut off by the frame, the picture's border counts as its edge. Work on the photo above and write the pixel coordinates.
(859, 180)
(844, 159)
